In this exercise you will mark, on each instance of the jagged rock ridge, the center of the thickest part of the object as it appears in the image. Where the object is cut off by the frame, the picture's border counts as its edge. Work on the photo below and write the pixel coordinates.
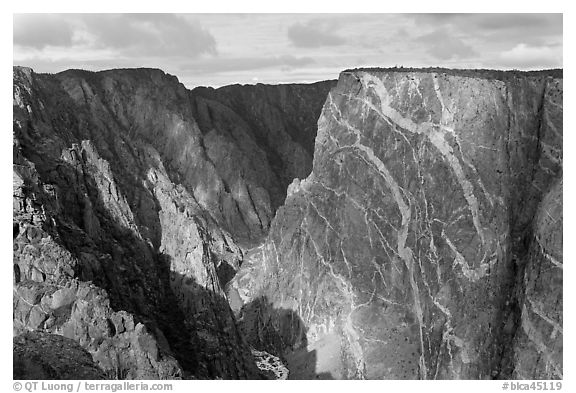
(427, 241)
(128, 220)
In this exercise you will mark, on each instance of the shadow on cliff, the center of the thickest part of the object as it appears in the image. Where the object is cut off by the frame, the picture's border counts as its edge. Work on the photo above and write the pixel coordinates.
(281, 332)
(210, 341)
(190, 322)
(88, 216)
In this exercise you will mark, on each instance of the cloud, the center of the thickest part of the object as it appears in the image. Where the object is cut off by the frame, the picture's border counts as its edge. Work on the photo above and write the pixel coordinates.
(39, 31)
(444, 45)
(224, 48)
(532, 57)
(217, 65)
(535, 29)
(153, 35)
(437, 19)
(313, 35)
(492, 21)
(541, 22)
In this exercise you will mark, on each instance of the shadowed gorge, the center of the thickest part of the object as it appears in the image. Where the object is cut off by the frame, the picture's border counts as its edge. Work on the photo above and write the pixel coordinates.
(395, 224)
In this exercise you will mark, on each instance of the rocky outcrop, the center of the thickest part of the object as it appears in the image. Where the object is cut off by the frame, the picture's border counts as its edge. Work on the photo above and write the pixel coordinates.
(128, 219)
(421, 244)
(49, 356)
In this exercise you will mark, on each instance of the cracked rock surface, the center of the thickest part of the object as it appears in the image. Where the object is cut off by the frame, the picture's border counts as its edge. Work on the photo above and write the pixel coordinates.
(427, 241)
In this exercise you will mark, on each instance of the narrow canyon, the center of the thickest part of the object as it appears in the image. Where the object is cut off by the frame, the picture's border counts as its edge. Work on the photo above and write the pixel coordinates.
(393, 224)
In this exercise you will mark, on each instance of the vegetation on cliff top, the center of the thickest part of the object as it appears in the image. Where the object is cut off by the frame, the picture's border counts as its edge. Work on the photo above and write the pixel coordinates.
(502, 75)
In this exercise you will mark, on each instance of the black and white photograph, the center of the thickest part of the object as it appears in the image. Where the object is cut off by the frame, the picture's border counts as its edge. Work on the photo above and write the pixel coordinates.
(286, 196)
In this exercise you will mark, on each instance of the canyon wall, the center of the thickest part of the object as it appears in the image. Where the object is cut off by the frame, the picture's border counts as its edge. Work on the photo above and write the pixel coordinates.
(129, 216)
(282, 118)
(427, 241)
(400, 224)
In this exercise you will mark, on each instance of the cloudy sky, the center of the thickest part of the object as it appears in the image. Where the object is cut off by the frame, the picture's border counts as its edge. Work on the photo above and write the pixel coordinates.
(220, 49)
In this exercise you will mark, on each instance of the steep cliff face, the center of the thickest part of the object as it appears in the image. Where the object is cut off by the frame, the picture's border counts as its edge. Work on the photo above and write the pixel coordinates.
(423, 241)
(128, 217)
(282, 119)
(538, 342)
